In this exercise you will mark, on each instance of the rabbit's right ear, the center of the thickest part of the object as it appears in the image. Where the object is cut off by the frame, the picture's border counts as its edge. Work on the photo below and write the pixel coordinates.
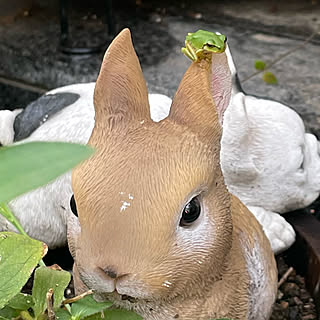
(120, 94)
(203, 96)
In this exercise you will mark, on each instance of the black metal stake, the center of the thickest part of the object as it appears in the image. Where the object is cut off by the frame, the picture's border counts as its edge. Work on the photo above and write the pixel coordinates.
(64, 30)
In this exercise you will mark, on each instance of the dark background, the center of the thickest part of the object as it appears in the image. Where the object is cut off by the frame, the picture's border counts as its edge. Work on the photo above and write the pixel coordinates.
(31, 59)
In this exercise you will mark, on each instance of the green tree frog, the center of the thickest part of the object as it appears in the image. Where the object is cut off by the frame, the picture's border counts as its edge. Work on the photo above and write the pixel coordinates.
(202, 42)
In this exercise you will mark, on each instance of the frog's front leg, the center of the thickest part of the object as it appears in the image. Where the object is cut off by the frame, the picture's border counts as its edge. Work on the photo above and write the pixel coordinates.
(189, 52)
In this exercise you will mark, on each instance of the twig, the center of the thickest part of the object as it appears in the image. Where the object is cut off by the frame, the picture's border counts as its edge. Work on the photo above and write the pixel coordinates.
(285, 277)
(80, 296)
(22, 84)
(269, 65)
(51, 314)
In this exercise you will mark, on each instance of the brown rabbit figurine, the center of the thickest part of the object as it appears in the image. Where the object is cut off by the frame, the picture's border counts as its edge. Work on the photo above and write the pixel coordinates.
(158, 232)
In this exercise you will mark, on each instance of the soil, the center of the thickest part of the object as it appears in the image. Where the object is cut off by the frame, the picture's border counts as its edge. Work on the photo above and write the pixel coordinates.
(294, 302)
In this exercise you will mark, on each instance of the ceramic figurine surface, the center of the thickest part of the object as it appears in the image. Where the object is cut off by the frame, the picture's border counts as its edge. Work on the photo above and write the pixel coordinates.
(253, 158)
(267, 153)
(157, 231)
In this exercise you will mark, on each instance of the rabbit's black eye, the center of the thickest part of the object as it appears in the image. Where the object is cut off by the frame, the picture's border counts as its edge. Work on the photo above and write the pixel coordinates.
(190, 213)
(73, 206)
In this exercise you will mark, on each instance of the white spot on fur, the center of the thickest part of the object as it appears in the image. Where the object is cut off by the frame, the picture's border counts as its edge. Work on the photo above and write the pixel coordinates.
(130, 196)
(167, 284)
(125, 205)
(142, 121)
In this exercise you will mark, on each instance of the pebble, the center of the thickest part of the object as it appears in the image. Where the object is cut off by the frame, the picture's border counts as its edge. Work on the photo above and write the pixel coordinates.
(284, 304)
(293, 313)
(290, 289)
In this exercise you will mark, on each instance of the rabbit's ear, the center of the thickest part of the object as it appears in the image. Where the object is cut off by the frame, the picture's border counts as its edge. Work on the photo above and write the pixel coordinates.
(203, 96)
(238, 142)
(121, 93)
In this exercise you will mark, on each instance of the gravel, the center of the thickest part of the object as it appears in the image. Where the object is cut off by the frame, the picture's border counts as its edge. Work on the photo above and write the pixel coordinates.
(294, 302)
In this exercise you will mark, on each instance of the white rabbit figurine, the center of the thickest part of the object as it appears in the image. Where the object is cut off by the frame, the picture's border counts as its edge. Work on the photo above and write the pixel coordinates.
(158, 231)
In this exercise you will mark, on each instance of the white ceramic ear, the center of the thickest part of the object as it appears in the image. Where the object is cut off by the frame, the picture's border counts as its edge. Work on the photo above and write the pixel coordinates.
(235, 81)
(6, 126)
(159, 106)
(237, 163)
(279, 232)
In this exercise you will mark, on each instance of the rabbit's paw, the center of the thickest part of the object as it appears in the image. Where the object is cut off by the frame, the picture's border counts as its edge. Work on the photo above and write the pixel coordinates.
(279, 232)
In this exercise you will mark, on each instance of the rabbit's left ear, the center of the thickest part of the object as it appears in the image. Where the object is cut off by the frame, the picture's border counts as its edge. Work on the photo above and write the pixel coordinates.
(120, 94)
(203, 96)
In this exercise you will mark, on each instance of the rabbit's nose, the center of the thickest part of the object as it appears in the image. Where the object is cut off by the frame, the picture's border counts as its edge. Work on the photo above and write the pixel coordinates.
(110, 272)
(112, 275)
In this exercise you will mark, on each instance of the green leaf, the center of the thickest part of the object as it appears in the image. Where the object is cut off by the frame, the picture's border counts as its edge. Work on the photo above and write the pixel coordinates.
(8, 313)
(62, 314)
(21, 301)
(27, 166)
(259, 65)
(19, 255)
(44, 279)
(118, 314)
(88, 306)
(269, 78)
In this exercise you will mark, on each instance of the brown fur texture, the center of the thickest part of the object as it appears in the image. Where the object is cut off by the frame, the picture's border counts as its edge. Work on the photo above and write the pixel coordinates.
(130, 195)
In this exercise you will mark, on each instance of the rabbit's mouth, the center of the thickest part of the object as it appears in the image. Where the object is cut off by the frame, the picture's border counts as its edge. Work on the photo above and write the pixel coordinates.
(125, 297)
(116, 298)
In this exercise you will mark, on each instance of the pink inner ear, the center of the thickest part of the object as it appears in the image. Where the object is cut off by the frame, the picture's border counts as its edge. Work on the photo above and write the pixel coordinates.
(221, 83)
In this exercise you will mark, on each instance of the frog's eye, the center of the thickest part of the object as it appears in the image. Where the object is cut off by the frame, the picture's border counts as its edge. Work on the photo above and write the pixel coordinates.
(209, 45)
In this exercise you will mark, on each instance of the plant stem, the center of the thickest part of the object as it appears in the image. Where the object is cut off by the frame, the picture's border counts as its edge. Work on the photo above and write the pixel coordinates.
(51, 314)
(6, 212)
(74, 299)
(41, 263)
(269, 65)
